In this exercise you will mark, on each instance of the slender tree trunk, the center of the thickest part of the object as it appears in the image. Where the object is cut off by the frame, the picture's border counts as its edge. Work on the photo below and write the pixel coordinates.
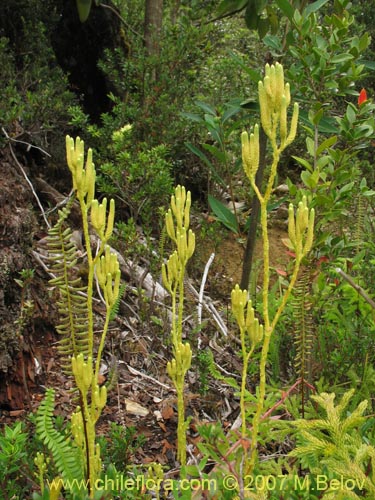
(152, 29)
(255, 207)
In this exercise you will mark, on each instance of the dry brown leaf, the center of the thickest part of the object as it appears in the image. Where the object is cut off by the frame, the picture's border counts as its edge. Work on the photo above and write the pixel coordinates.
(167, 412)
(135, 408)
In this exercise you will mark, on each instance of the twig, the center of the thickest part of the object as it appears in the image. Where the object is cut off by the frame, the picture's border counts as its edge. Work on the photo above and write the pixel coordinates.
(210, 308)
(28, 181)
(39, 258)
(201, 290)
(29, 146)
(356, 287)
(109, 7)
(133, 371)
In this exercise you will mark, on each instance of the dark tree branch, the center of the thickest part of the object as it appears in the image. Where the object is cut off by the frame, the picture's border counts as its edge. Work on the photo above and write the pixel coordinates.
(254, 217)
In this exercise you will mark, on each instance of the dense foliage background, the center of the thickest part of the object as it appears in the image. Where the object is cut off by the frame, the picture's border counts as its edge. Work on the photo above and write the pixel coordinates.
(161, 90)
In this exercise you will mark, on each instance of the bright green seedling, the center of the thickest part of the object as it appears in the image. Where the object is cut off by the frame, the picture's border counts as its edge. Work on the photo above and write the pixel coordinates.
(80, 458)
(177, 221)
(274, 100)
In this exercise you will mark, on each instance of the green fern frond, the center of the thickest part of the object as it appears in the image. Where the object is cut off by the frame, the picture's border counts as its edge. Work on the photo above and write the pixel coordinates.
(359, 223)
(162, 240)
(303, 327)
(116, 305)
(67, 457)
(72, 304)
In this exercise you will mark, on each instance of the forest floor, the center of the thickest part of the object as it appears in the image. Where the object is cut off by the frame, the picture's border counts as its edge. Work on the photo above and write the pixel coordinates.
(142, 396)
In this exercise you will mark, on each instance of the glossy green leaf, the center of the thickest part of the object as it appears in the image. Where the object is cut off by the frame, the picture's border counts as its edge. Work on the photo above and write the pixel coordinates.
(287, 8)
(206, 107)
(263, 27)
(251, 16)
(216, 152)
(326, 125)
(304, 163)
(339, 58)
(231, 111)
(326, 144)
(199, 153)
(223, 214)
(83, 7)
(207, 162)
(192, 117)
(273, 42)
(368, 64)
(229, 7)
(313, 7)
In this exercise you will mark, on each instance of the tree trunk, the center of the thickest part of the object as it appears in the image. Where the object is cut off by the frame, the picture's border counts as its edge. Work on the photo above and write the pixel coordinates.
(152, 32)
(153, 26)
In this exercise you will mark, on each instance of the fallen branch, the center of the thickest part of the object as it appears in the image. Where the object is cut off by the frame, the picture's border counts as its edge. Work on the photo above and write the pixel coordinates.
(26, 177)
(356, 287)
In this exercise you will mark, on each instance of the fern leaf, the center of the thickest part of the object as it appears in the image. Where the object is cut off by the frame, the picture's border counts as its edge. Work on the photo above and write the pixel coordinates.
(116, 305)
(66, 455)
(72, 305)
(303, 327)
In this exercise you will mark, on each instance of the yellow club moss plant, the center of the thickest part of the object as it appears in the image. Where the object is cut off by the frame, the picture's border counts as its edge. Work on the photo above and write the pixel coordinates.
(274, 100)
(103, 266)
(177, 221)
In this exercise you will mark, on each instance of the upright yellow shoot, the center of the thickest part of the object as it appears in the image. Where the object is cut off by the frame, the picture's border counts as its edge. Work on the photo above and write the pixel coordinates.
(177, 222)
(274, 100)
(104, 264)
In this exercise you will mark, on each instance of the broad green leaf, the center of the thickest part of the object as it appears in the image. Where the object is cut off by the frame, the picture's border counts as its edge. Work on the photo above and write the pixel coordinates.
(229, 7)
(323, 161)
(313, 7)
(368, 64)
(308, 179)
(350, 114)
(364, 42)
(216, 152)
(206, 107)
(198, 153)
(192, 117)
(316, 117)
(310, 145)
(273, 42)
(346, 188)
(83, 7)
(286, 8)
(339, 58)
(230, 112)
(273, 19)
(326, 124)
(251, 16)
(263, 27)
(251, 104)
(211, 121)
(206, 161)
(326, 144)
(304, 163)
(223, 214)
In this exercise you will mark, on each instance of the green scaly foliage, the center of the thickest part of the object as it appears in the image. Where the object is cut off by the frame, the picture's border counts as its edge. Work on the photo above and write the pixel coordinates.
(71, 304)
(335, 443)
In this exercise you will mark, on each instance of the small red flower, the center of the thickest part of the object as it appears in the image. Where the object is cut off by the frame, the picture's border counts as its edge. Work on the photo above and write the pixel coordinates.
(362, 97)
